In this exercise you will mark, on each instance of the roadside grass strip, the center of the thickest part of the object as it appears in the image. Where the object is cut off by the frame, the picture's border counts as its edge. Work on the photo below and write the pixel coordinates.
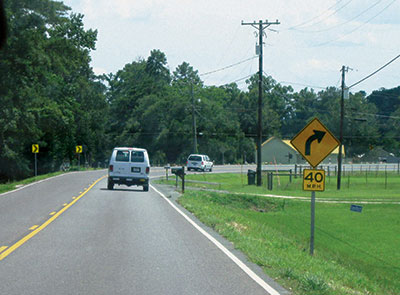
(355, 253)
(35, 231)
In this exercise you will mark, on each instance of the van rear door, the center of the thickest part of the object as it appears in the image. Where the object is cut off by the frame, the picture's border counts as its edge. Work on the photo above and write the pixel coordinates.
(138, 163)
(122, 165)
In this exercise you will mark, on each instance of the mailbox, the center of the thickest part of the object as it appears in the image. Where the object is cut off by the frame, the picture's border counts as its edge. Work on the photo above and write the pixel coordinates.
(178, 171)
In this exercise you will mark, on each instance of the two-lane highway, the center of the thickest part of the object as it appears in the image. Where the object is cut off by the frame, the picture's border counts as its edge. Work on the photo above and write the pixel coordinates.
(124, 241)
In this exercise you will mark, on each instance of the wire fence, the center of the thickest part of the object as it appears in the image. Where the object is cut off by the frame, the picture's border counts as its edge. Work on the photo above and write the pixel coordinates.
(384, 175)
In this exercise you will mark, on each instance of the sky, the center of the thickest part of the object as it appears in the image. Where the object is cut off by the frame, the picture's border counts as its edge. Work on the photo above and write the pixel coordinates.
(314, 39)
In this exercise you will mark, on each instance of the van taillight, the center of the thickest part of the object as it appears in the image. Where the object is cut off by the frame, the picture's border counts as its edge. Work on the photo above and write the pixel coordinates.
(111, 168)
(202, 163)
(147, 170)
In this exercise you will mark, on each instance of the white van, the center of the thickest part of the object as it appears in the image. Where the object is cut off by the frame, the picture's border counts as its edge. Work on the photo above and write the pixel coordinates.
(129, 166)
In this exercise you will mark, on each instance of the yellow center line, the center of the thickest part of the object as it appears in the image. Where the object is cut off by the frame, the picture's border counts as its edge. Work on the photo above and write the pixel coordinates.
(44, 225)
(52, 213)
(33, 227)
(65, 204)
(3, 248)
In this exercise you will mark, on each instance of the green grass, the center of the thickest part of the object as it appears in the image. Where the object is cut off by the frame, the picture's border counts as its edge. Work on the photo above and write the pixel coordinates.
(9, 186)
(355, 253)
(5, 187)
(355, 187)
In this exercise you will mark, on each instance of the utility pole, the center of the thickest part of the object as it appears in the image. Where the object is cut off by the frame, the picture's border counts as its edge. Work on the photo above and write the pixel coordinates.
(339, 177)
(193, 121)
(261, 26)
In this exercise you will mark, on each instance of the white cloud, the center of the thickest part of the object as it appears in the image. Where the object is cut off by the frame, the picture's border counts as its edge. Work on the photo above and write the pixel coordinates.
(208, 34)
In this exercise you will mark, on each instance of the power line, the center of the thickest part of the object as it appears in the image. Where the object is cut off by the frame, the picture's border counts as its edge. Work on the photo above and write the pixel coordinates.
(300, 84)
(310, 20)
(341, 24)
(370, 75)
(363, 24)
(227, 67)
(235, 81)
(334, 12)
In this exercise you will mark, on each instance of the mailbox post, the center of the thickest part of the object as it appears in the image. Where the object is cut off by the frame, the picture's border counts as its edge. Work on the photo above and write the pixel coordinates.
(166, 171)
(179, 172)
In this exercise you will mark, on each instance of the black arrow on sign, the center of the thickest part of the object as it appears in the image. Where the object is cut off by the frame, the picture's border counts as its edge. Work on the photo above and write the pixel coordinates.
(35, 148)
(317, 135)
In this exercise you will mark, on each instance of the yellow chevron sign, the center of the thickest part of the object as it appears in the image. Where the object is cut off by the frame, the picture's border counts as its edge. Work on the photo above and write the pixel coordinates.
(35, 148)
(78, 149)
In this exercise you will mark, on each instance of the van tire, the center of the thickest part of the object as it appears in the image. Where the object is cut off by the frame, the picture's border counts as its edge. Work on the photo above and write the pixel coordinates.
(110, 184)
(145, 188)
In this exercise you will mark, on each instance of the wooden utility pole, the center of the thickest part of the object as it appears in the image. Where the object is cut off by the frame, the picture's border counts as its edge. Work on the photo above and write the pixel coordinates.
(193, 121)
(261, 26)
(339, 176)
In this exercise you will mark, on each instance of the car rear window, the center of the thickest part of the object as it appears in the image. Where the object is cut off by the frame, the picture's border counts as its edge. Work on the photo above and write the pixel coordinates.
(137, 157)
(194, 158)
(122, 156)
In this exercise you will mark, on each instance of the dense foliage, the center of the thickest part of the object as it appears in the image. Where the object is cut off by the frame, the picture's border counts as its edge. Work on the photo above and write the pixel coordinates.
(51, 97)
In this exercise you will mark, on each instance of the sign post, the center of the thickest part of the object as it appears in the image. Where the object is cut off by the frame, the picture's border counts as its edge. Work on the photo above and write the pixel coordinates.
(314, 142)
(35, 151)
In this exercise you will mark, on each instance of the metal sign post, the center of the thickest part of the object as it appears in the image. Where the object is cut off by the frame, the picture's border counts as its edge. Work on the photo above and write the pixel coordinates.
(313, 180)
(312, 223)
(35, 164)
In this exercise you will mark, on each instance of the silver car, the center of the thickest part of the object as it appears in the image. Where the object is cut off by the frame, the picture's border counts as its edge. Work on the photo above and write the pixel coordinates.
(199, 163)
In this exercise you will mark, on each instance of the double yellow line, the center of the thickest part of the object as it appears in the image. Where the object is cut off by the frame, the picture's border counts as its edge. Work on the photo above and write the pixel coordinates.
(5, 251)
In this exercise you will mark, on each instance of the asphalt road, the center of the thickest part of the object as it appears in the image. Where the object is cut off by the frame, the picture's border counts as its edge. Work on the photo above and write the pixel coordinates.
(70, 235)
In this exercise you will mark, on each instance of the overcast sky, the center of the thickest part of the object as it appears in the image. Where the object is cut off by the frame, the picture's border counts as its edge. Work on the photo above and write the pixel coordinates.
(309, 47)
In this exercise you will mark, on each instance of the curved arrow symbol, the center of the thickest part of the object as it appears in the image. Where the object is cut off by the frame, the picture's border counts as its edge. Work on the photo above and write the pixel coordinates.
(318, 135)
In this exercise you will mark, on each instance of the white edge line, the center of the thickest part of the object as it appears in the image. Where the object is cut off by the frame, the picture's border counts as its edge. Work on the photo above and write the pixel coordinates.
(236, 260)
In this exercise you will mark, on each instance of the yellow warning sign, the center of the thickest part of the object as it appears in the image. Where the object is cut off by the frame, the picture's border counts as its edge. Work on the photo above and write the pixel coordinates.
(315, 142)
(35, 148)
(314, 180)
(78, 149)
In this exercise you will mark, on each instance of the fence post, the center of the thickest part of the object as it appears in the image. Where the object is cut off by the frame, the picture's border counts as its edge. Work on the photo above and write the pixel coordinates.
(290, 177)
(270, 180)
(348, 180)
(385, 178)
(295, 170)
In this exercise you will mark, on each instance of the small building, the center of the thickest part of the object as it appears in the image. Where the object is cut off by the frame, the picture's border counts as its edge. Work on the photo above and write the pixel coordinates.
(379, 155)
(278, 151)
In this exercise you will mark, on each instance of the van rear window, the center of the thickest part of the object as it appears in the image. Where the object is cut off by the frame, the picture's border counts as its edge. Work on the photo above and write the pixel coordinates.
(194, 158)
(122, 156)
(137, 157)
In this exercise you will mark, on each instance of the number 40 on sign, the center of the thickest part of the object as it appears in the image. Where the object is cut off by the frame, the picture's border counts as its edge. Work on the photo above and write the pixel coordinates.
(314, 180)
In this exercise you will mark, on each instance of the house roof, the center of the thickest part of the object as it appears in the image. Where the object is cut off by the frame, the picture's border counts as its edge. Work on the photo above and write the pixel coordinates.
(287, 142)
(335, 151)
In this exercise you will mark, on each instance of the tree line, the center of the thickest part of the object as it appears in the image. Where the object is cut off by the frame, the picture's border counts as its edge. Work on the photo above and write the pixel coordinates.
(50, 96)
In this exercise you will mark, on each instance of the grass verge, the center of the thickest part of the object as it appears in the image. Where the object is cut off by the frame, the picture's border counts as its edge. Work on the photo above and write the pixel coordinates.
(355, 253)
(9, 186)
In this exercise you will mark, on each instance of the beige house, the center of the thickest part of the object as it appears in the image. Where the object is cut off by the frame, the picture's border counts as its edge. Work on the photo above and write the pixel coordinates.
(278, 151)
